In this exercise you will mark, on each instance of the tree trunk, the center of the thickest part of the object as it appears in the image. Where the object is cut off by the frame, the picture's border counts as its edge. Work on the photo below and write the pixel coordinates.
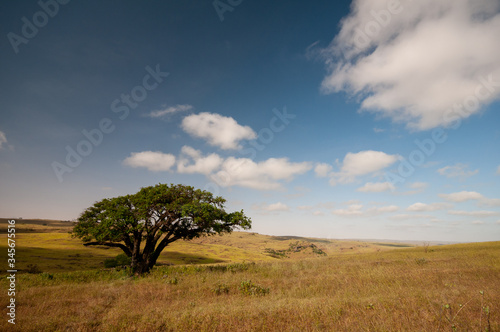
(141, 266)
(143, 263)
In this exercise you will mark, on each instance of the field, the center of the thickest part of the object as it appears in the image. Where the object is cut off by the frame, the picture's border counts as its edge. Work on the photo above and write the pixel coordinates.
(252, 282)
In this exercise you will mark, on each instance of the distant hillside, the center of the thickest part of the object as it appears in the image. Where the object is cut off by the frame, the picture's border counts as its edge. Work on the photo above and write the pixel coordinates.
(48, 245)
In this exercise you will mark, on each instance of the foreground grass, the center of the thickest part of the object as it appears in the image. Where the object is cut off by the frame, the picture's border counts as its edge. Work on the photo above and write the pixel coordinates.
(447, 288)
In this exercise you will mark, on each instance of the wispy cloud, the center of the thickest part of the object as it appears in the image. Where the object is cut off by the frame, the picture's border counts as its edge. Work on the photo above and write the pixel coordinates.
(376, 187)
(457, 171)
(351, 211)
(3, 140)
(411, 216)
(462, 196)
(418, 185)
(477, 214)
(423, 207)
(221, 131)
(170, 111)
(489, 202)
(382, 209)
(356, 210)
(276, 207)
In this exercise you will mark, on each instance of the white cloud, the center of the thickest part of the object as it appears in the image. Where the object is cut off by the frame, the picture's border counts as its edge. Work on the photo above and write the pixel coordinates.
(362, 163)
(298, 192)
(322, 205)
(390, 208)
(323, 170)
(490, 202)
(352, 210)
(419, 185)
(3, 139)
(264, 175)
(318, 213)
(382, 209)
(462, 196)
(218, 130)
(192, 161)
(478, 222)
(351, 202)
(170, 111)
(457, 171)
(411, 216)
(465, 196)
(276, 207)
(153, 161)
(421, 207)
(422, 59)
(377, 187)
(478, 214)
(378, 130)
(271, 209)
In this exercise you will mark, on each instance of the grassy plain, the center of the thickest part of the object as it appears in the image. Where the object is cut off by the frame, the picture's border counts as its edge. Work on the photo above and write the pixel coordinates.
(357, 287)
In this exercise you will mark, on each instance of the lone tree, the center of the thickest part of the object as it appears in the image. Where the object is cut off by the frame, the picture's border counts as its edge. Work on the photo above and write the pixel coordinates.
(143, 224)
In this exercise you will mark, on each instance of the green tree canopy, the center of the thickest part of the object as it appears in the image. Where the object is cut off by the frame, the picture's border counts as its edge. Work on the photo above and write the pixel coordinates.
(143, 224)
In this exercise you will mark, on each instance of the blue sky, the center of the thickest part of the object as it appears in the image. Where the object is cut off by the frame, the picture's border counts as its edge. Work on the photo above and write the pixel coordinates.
(370, 119)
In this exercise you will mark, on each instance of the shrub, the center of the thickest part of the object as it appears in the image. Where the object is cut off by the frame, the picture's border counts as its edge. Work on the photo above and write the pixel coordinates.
(234, 267)
(173, 281)
(275, 253)
(120, 260)
(238, 267)
(47, 276)
(420, 261)
(220, 289)
(249, 288)
(33, 268)
(296, 246)
(317, 250)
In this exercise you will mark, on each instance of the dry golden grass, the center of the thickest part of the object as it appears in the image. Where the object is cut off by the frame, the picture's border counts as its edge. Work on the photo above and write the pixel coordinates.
(397, 290)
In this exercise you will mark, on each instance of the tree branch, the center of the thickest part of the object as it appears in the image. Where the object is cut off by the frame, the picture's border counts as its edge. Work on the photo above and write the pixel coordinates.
(110, 244)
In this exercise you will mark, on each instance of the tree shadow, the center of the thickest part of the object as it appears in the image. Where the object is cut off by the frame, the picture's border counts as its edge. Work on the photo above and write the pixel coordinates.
(179, 258)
